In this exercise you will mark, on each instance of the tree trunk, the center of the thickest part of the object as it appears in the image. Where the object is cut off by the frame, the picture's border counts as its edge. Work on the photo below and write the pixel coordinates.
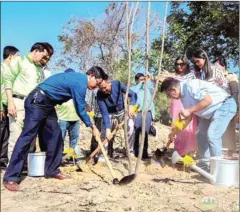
(129, 46)
(144, 111)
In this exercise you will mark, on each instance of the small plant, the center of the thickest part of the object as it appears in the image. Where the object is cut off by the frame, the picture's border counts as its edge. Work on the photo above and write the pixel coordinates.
(70, 154)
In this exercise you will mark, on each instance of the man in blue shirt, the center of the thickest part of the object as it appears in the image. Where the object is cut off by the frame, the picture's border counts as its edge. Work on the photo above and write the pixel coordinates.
(140, 80)
(39, 107)
(214, 107)
(111, 102)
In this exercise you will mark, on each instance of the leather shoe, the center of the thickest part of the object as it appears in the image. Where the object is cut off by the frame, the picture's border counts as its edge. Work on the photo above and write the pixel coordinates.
(61, 176)
(11, 186)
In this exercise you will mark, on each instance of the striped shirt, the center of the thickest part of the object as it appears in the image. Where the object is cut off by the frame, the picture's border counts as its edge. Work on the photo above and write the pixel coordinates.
(91, 100)
(218, 77)
(186, 77)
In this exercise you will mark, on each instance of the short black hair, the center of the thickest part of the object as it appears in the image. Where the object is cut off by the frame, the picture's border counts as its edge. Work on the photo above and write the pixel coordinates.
(98, 72)
(138, 75)
(49, 48)
(40, 47)
(9, 50)
(169, 83)
(69, 70)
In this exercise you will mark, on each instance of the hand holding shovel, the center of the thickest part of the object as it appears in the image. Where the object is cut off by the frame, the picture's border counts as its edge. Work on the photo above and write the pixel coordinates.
(105, 141)
(178, 126)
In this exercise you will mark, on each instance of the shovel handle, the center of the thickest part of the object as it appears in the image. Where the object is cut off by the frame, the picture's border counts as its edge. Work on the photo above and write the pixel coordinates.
(104, 142)
(168, 144)
(106, 157)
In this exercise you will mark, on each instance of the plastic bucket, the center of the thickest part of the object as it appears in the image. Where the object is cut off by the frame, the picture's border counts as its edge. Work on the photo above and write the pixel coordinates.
(225, 171)
(36, 164)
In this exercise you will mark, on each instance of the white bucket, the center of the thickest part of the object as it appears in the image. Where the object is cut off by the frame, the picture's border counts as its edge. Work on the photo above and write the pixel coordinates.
(36, 164)
(225, 171)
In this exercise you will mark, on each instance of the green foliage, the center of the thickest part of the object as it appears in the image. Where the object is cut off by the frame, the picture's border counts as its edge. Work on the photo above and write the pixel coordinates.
(121, 71)
(162, 104)
(211, 25)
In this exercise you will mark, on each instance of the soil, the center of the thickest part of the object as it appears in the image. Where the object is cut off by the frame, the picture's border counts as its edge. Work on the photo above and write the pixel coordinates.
(155, 189)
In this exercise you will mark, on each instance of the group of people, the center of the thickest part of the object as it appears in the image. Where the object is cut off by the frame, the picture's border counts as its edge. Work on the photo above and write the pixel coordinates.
(207, 94)
(35, 104)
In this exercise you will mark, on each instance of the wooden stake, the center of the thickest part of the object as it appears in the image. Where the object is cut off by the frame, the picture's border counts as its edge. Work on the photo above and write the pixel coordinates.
(161, 56)
(129, 46)
(144, 111)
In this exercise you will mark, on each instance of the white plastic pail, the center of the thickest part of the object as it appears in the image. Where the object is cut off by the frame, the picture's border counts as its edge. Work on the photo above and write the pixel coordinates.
(36, 164)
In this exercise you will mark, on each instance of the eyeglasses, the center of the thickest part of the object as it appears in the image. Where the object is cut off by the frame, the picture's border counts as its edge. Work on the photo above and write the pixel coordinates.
(179, 64)
(46, 58)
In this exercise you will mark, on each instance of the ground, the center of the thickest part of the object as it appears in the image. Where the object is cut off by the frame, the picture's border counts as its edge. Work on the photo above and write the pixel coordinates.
(155, 189)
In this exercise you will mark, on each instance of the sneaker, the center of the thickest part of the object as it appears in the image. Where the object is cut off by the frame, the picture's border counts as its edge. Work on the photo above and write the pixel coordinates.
(101, 159)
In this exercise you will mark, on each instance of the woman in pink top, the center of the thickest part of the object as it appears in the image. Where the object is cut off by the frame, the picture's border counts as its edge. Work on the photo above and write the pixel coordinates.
(185, 141)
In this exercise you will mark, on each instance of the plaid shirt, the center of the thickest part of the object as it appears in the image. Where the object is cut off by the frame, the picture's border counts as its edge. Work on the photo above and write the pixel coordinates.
(91, 99)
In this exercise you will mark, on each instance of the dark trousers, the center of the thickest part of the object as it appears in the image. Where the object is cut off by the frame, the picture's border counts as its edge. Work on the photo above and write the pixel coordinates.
(4, 135)
(39, 110)
(94, 143)
(138, 131)
(42, 143)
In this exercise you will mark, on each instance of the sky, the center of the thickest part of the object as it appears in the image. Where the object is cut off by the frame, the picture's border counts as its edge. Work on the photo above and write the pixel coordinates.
(24, 23)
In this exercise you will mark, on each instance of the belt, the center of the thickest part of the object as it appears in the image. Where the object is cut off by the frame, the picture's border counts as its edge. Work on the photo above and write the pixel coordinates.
(229, 97)
(118, 113)
(18, 96)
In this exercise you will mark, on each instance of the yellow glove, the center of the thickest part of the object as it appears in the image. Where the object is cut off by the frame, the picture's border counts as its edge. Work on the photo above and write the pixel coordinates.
(91, 114)
(180, 124)
(188, 161)
(136, 108)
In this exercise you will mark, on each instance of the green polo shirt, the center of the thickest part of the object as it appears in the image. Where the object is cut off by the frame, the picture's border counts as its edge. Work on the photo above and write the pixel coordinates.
(67, 112)
(23, 76)
(4, 70)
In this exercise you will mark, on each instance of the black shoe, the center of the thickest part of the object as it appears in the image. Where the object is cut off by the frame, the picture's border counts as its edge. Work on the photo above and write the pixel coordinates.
(3, 166)
(25, 168)
(145, 157)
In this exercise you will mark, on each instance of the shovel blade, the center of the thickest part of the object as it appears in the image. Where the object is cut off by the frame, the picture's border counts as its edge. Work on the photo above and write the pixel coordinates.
(160, 152)
(127, 179)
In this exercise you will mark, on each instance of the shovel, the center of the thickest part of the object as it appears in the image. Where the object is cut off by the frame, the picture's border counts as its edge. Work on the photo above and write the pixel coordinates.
(179, 125)
(125, 180)
(160, 153)
(105, 141)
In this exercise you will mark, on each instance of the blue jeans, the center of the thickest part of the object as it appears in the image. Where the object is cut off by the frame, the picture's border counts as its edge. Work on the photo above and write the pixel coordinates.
(73, 129)
(210, 131)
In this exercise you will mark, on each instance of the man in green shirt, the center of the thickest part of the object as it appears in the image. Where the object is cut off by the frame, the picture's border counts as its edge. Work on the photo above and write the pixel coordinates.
(45, 73)
(9, 53)
(23, 77)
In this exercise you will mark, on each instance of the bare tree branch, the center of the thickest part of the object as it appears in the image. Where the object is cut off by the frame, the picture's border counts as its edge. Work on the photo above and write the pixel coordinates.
(161, 56)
